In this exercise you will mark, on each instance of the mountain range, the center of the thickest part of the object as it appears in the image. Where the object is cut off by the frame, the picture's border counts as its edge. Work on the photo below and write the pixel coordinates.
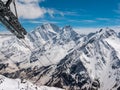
(62, 58)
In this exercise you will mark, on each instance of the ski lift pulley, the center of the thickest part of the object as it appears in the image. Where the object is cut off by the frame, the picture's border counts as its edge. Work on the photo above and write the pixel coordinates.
(10, 20)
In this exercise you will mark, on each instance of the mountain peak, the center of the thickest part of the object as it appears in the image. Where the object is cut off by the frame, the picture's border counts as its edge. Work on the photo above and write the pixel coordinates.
(50, 27)
(105, 33)
(106, 30)
(68, 27)
(48, 24)
(101, 34)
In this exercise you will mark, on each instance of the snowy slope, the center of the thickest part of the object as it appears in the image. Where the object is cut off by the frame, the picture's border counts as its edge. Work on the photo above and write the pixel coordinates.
(17, 84)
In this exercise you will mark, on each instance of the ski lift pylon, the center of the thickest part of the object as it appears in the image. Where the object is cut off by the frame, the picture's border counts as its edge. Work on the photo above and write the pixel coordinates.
(11, 21)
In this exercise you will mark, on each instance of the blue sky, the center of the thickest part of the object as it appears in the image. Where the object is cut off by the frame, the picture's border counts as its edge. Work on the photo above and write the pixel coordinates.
(77, 13)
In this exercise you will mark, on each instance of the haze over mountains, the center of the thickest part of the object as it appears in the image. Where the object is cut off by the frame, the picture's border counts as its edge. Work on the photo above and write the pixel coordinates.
(62, 58)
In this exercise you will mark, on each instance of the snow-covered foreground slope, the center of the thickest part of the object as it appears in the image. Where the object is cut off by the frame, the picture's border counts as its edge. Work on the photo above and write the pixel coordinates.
(63, 58)
(17, 84)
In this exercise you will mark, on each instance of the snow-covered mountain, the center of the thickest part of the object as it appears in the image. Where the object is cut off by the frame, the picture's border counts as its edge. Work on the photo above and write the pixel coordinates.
(63, 58)
(38, 46)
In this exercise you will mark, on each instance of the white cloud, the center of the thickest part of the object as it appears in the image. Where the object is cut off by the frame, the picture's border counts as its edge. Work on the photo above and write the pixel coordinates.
(88, 21)
(118, 9)
(51, 12)
(41, 22)
(84, 30)
(103, 19)
(82, 21)
(30, 9)
(71, 13)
